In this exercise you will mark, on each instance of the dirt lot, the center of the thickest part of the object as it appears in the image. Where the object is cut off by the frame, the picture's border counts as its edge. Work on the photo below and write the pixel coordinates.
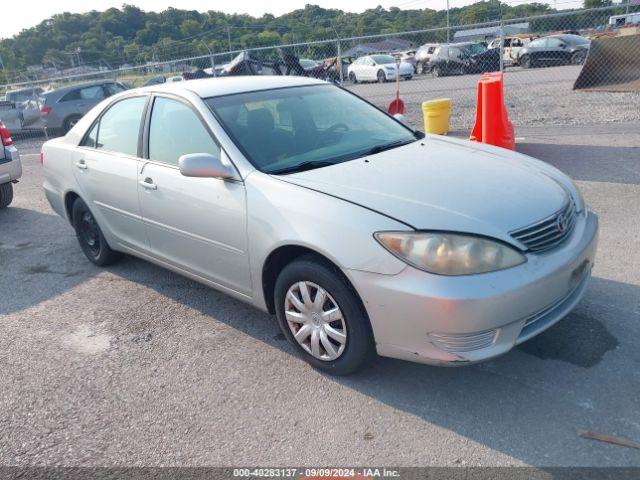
(134, 365)
(535, 97)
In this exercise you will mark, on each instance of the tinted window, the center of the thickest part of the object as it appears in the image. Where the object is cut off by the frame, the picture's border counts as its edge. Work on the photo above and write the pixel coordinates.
(113, 88)
(538, 43)
(72, 95)
(281, 129)
(176, 130)
(92, 93)
(120, 125)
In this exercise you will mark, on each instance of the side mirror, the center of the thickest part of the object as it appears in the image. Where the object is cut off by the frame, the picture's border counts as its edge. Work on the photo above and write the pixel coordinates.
(563, 45)
(204, 165)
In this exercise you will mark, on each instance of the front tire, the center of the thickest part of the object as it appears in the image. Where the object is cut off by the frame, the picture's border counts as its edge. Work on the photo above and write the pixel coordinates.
(90, 236)
(525, 61)
(436, 72)
(578, 58)
(320, 314)
(352, 77)
(6, 194)
(382, 77)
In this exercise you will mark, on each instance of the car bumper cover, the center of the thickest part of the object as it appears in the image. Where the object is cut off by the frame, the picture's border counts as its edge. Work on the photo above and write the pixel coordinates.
(443, 320)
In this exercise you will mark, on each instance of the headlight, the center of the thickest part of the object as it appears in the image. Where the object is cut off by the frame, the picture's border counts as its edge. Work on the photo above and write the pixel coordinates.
(449, 253)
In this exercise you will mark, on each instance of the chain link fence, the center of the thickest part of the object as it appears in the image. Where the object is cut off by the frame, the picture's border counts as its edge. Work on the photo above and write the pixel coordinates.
(567, 68)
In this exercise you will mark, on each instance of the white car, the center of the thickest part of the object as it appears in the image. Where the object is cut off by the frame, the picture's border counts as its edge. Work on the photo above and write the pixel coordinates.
(378, 68)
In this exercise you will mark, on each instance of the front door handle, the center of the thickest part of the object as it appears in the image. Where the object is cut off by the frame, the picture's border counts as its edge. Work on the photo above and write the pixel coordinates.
(148, 184)
(81, 165)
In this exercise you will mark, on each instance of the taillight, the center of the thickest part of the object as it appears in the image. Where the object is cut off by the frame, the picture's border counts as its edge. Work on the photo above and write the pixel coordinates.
(45, 110)
(5, 135)
(42, 158)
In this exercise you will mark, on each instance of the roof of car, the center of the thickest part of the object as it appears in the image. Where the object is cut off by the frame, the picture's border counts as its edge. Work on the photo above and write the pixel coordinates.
(77, 85)
(214, 87)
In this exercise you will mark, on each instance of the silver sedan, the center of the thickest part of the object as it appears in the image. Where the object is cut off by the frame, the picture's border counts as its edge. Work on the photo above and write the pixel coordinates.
(357, 232)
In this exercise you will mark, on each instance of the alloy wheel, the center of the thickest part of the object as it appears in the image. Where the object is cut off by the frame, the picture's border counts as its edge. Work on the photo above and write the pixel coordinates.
(315, 320)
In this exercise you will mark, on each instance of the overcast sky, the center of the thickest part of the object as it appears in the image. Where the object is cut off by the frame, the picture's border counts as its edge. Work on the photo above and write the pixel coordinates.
(21, 14)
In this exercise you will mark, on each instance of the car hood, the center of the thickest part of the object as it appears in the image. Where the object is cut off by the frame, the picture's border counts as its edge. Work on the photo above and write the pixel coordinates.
(446, 184)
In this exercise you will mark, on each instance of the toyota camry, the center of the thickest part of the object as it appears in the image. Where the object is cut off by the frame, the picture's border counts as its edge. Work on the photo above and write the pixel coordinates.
(360, 234)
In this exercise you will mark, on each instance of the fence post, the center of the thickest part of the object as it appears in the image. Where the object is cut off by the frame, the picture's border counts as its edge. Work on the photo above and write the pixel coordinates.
(339, 62)
(501, 47)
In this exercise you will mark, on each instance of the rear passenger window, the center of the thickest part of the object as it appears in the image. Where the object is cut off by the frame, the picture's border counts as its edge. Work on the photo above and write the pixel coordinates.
(176, 130)
(119, 127)
(72, 95)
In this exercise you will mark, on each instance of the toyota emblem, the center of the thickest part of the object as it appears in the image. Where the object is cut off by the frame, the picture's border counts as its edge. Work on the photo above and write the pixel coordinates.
(561, 222)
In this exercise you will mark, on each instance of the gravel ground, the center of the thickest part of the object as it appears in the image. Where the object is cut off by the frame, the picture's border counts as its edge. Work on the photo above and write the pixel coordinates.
(135, 365)
(536, 97)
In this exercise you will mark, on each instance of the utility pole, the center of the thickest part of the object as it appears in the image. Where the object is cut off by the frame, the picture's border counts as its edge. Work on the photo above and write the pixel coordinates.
(339, 52)
(211, 59)
(6, 76)
(447, 21)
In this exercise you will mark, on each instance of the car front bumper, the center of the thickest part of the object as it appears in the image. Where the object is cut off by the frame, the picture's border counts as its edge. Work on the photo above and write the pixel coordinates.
(443, 320)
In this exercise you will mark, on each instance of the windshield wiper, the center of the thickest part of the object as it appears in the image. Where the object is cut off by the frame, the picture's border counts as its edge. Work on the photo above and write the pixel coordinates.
(301, 167)
(387, 146)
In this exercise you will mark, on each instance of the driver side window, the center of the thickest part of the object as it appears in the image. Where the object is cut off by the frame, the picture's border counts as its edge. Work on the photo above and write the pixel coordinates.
(176, 130)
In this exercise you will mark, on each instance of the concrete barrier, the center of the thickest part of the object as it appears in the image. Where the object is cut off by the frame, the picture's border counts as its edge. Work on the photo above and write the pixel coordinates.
(613, 65)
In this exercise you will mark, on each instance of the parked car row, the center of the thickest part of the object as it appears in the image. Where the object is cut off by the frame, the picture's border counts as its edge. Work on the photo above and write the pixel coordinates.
(524, 50)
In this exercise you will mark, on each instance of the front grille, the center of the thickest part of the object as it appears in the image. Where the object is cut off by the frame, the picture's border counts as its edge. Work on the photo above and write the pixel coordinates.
(549, 232)
(463, 342)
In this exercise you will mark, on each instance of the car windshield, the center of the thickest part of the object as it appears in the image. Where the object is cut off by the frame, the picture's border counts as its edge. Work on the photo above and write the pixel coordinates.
(297, 128)
(383, 59)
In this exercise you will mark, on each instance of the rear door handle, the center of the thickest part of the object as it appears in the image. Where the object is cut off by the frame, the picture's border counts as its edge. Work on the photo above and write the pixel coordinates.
(148, 184)
(81, 165)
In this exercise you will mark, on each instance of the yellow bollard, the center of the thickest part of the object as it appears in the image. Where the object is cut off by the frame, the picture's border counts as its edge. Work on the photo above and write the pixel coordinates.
(436, 115)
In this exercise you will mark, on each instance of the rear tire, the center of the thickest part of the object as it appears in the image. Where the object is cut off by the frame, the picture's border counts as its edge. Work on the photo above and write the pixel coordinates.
(525, 61)
(435, 71)
(357, 343)
(420, 68)
(6, 194)
(70, 122)
(90, 237)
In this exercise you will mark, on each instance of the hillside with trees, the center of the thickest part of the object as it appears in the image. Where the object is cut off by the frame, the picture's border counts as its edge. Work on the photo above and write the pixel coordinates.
(129, 35)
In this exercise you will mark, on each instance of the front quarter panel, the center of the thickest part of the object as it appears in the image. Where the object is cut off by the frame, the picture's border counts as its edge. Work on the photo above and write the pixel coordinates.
(280, 213)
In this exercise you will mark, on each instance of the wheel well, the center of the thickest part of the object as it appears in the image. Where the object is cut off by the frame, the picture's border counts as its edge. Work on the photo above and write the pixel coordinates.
(69, 200)
(283, 256)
